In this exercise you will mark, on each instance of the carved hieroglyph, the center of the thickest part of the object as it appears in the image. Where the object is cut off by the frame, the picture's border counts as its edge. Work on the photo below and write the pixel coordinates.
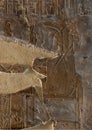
(21, 55)
(14, 112)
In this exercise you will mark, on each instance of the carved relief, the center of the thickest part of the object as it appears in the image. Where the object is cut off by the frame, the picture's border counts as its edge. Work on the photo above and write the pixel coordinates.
(4, 112)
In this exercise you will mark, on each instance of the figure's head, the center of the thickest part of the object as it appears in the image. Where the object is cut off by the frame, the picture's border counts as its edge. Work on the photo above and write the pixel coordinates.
(8, 24)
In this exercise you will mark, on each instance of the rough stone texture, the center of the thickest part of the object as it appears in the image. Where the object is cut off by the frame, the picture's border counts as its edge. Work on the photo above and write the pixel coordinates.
(64, 27)
(62, 91)
(83, 67)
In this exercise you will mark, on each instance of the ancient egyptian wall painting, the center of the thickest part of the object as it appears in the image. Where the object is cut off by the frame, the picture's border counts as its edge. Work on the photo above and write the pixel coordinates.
(45, 64)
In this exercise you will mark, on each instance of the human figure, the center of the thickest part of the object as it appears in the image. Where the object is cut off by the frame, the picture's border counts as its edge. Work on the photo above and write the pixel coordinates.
(7, 29)
(52, 9)
(80, 9)
(23, 15)
(31, 33)
(33, 38)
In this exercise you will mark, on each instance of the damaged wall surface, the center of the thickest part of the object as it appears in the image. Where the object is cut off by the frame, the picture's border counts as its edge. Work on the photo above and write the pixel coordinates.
(45, 61)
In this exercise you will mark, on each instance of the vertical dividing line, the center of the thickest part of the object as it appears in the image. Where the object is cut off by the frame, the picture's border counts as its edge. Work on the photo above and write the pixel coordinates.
(69, 4)
(12, 7)
(75, 5)
(57, 7)
(77, 123)
(10, 98)
(46, 71)
(22, 8)
(81, 106)
(25, 111)
(64, 3)
(33, 100)
(76, 101)
(6, 6)
(79, 114)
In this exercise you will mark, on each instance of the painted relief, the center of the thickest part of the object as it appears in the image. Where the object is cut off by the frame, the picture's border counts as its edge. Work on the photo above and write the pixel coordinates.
(45, 64)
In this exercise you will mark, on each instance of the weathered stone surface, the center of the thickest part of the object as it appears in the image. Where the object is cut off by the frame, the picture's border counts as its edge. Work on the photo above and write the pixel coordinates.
(83, 67)
(59, 26)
